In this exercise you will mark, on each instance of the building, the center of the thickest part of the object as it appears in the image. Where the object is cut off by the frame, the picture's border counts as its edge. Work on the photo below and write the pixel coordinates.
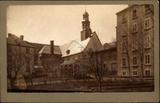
(73, 58)
(86, 30)
(135, 30)
(50, 58)
(109, 59)
(75, 53)
(20, 58)
(37, 48)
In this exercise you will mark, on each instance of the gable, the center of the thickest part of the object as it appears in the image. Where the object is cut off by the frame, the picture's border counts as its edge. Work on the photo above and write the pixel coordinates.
(46, 50)
(74, 47)
(94, 43)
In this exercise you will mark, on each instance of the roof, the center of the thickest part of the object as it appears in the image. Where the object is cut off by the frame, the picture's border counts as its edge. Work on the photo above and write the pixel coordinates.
(14, 40)
(46, 50)
(67, 62)
(74, 47)
(108, 46)
(129, 7)
(94, 43)
(112, 44)
(37, 46)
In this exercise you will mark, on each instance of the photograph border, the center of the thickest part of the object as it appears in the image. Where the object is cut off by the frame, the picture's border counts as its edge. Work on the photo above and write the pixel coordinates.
(76, 97)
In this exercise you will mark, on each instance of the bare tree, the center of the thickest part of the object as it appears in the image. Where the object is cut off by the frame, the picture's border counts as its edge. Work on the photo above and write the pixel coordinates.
(16, 67)
(92, 61)
(96, 67)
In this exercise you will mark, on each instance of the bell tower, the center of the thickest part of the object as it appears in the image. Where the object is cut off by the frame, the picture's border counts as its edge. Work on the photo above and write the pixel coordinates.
(86, 30)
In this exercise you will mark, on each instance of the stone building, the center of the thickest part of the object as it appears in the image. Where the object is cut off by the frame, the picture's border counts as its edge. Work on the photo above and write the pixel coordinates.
(71, 60)
(109, 59)
(75, 52)
(37, 48)
(20, 58)
(135, 30)
(38, 71)
(50, 59)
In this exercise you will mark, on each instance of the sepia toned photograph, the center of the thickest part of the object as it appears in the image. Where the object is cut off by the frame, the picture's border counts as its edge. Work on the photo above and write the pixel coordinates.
(80, 48)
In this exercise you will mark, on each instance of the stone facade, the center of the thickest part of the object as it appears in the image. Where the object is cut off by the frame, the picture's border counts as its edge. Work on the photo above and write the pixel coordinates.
(109, 59)
(50, 59)
(75, 53)
(135, 30)
(20, 58)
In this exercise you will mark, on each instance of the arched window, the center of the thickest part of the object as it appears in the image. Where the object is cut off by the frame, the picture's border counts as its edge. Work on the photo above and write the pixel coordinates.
(134, 14)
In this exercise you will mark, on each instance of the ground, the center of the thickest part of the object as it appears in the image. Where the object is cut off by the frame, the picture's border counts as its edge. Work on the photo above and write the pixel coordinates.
(91, 85)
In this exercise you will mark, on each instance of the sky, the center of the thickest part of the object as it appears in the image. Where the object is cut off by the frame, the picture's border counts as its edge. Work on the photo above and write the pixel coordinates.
(61, 23)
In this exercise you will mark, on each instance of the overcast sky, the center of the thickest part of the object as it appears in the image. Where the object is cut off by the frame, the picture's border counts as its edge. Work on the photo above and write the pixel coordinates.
(61, 23)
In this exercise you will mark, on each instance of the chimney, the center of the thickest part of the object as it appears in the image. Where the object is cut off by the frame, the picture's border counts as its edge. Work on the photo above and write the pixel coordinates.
(52, 47)
(21, 37)
(9, 34)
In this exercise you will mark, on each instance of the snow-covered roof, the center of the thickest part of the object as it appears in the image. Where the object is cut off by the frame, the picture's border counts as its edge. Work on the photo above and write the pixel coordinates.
(67, 62)
(46, 50)
(73, 47)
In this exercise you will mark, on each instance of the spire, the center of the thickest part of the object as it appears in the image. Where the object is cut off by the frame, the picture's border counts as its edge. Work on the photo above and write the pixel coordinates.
(86, 16)
(86, 31)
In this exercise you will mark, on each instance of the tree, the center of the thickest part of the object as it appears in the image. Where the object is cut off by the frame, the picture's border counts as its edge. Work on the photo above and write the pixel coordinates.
(93, 62)
(13, 70)
(16, 66)
(96, 66)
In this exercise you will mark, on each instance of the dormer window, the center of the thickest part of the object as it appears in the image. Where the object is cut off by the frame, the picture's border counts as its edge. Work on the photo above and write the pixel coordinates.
(68, 51)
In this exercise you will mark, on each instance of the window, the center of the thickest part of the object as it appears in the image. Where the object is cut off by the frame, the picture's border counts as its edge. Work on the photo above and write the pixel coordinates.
(124, 73)
(147, 73)
(147, 8)
(135, 73)
(124, 20)
(134, 28)
(134, 60)
(27, 50)
(124, 43)
(134, 44)
(104, 65)
(134, 14)
(124, 62)
(113, 66)
(28, 65)
(147, 23)
(123, 46)
(147, 59)
(147, 41)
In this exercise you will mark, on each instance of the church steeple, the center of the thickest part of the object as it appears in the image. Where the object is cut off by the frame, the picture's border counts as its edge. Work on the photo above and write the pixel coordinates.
(86, 30)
